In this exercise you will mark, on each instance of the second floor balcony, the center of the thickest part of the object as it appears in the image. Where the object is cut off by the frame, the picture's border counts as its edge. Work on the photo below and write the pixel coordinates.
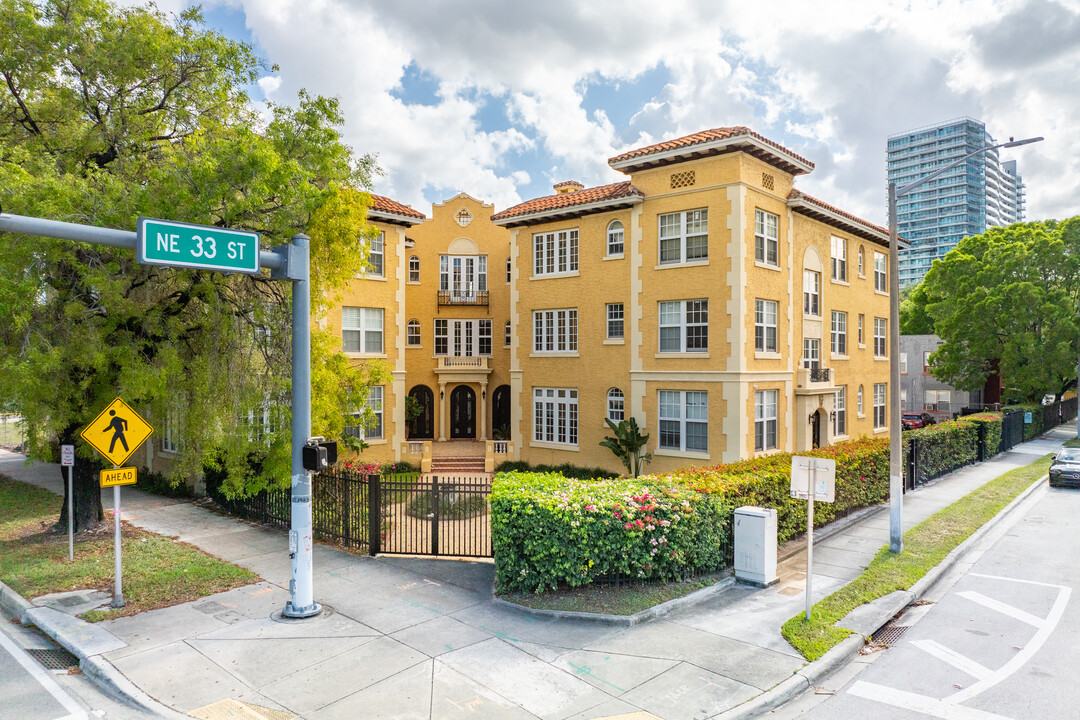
(463, 297)
(814, 379)
(463, 365)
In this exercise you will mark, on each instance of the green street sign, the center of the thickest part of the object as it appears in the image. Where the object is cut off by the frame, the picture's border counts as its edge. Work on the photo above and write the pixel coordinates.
(177, 244)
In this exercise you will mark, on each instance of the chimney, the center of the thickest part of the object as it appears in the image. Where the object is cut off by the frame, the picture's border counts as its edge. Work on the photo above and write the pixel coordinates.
(568, 186)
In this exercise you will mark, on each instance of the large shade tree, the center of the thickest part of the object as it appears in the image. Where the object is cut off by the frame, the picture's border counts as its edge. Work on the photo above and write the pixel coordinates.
(109, 114)
(1008, 299)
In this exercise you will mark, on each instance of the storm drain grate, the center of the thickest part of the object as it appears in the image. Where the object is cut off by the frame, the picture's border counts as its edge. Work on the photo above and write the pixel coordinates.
(53, 658)
(890, 634)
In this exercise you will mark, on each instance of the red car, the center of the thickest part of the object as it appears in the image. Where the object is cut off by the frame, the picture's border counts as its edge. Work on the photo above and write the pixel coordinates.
(911, 421)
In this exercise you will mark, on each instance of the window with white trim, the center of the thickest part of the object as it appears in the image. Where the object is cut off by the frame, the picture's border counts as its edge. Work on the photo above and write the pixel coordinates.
(811, 292)
(508, 268)
(616, 407)
(170, 435)
(879, 406)
(766, 238)
(840, 411)
(765, 325)
(765, 402)
(684, 236)
(372, 428)
(937, 400)
(880, 277)
(375, 255)
(483, 341)
(684, 420)
(839, 259)
(441, 336)
(362, 329)
(555, 415)
(463, 276)
(861, 341)
(614, 238)
(858, 401)
(506, 334)
(555, 330)
(412, 333)
(839, 333)
(684, 326)
(861, 262)
(463, 338)
(555, 252)
(880, 325)
(903, 363)
(811, 353)
(614, 321)
(414, 269)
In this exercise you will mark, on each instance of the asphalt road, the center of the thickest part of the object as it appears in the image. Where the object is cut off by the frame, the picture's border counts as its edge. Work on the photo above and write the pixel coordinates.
(1001, 640)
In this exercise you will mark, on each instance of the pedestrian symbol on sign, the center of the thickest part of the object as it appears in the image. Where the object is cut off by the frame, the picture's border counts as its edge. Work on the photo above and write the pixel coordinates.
(118, 426)
(117, 432)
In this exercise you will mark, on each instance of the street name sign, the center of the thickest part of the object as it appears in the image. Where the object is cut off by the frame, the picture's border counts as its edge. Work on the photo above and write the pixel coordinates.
(112, 477)
(177, 244)
(117, 432)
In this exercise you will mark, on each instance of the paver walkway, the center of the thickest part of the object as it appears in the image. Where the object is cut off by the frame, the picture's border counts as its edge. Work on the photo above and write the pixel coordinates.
(420, 638)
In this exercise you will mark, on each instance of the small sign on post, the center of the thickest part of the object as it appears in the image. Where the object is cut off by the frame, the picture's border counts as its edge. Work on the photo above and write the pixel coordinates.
(67, 459)
(118, 476)
(813, 479)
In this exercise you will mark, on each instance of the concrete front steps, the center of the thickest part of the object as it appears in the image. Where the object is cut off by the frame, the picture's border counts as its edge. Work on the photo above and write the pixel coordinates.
(457, 465)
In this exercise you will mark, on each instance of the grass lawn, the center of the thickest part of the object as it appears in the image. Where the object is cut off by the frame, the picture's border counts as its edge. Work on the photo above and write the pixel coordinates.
(925, 545)
(625, 599)
(1074, 442)
(158, 572)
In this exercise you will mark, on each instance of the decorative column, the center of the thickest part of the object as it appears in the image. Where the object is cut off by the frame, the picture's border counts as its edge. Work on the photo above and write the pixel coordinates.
(442, 412)
(483, 410)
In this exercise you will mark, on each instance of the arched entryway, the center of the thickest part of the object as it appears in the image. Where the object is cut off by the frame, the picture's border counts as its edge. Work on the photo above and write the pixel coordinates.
(500, 412)
(462, 412)
(423, 426)
(816, 428)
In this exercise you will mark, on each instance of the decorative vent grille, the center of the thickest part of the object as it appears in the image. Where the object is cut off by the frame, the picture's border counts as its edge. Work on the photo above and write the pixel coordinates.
(682, 179)
(768, 181)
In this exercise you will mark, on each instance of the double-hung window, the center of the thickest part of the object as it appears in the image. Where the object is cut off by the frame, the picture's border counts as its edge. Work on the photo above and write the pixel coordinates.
(766, 238)
(372, 429)
(861, 341)
(614, 238)
(362, 329)
(555, 415)
(684, 236)
(765, 325)
(880, 278)
(840, 411)
(555, 330)
(861, 270)
(414, 269)
(811, 292)
(616, 405)
(839, 333)
(615, 321)
(879, 337)
(375, 255)
(412, 336)
(555, 252)
(811, 352)
(684, 420)
(839, 259)
(765, 402)
(858, 403)
(506, 334)
(879, 405)
(684, 326)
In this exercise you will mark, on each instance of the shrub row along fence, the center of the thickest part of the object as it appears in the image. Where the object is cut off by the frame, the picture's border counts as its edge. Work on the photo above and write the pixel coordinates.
(392, 514)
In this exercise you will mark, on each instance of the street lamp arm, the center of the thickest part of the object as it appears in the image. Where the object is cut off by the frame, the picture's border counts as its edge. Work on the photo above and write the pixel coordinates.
(915, 183)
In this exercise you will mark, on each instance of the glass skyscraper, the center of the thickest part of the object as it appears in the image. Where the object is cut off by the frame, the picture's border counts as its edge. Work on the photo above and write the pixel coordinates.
(971, 197)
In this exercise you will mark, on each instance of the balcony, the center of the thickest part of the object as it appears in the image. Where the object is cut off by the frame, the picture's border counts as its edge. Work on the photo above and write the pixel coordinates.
(462, 368)
(463, 297)
(814, 381)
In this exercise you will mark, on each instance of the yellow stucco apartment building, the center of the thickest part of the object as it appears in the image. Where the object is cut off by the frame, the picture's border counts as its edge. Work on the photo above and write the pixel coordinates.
(729, 313)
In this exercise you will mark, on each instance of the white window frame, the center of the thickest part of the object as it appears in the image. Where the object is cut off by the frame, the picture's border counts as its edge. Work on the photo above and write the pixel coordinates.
(934, 399)
(616, 405)
(839, 259)
(681, 234)
(678, 411)
(555, 330)
(616, 329)
(881, 277)
(840, 411)
(677, 314)
(765, 413)
(812, 293)
(506, 334)
(170, 432)
(903, 363)
(862, 321)
(376, 259)
(555, 253)
(859, 401)
(367, 323)
(881, 329)
(456, 337)
(463, 276)
(838, 333)
(880, 395)
(862, 261)
(555, 416)
(412, 333)
(765, 314)
(441, 334)
(811, 358)
(766, 238)
(374, 429)
(509, 267)
(414, 269)
(615, 239)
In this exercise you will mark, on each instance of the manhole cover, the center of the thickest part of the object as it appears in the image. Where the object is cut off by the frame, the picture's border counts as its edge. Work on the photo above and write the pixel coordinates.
(53, 658)
(890, 634)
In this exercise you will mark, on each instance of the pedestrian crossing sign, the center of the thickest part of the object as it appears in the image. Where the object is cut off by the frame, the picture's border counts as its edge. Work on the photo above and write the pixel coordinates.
(117, 432)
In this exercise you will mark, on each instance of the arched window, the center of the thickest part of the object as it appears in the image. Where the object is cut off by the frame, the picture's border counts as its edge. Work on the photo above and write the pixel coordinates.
(614, 238)
(615, 405)
(506, 335)
(414, 269)
(858, 401)
(413, 333)
(507, 271)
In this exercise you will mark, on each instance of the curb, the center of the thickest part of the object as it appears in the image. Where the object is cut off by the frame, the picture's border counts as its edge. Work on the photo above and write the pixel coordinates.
(14, 603)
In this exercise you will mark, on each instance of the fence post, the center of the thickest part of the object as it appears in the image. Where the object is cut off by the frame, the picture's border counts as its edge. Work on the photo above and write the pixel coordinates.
(374, 515)
(434, 514)
(980, 438)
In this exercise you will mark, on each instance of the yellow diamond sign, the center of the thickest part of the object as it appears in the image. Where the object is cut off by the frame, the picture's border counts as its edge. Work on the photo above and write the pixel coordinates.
(117, 432)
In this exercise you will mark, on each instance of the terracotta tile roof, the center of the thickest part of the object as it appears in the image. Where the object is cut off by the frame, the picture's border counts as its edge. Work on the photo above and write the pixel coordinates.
(878, 232)
(703, 137)
(381, 203)
(552, 203)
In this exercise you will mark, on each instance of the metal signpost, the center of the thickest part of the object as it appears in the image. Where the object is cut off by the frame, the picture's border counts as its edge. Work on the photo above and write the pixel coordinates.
(812, 479)
(172, 244)
(67, 459)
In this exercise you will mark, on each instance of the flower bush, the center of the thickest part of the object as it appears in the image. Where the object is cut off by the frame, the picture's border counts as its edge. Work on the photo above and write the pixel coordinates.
(374, 467)
(550, 531)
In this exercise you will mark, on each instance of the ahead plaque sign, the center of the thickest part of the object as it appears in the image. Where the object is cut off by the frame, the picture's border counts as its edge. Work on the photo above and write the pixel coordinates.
(176, 244)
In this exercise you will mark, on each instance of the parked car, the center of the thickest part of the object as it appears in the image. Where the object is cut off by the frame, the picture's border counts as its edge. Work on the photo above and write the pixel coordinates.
(912, 421)
(1065, 470)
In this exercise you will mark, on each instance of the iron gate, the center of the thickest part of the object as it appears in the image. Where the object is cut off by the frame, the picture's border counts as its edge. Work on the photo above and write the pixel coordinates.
(430, 516)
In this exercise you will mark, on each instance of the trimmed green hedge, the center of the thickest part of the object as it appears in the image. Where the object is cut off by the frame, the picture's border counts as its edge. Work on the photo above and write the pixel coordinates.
(942, 447)
(566, 470)
(550, 531)
(992, 434)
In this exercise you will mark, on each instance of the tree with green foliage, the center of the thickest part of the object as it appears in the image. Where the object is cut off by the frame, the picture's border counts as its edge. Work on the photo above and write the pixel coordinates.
(627, 444)
(1007, 299)
(108, 114)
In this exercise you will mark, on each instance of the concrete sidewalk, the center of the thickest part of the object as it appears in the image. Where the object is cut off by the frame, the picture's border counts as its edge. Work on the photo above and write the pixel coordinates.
(422, 638)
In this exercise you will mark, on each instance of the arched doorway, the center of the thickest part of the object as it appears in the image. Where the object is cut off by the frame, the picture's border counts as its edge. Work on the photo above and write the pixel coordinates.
(462, 412)
(500, 412)
(816, 428)
(423, 426)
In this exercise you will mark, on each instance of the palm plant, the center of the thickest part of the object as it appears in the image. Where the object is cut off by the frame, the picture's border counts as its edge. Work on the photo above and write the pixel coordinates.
(627, 445)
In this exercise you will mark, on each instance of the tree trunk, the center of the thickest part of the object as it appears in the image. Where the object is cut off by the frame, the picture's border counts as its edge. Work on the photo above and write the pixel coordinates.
(87, 489)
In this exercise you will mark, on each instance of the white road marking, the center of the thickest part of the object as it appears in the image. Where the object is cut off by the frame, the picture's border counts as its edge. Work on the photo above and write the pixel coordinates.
(958, 661)
(39, 674)
(919, 703)
(1016, 580)
(1003, 608)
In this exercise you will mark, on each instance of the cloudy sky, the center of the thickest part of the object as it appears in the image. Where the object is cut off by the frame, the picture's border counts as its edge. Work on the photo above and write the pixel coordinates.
(500, 98)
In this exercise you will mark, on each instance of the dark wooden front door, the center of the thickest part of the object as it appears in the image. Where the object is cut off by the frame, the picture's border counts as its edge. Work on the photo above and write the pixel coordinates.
(817, 429)
(423, 427)
(462, 412)
(500, 412)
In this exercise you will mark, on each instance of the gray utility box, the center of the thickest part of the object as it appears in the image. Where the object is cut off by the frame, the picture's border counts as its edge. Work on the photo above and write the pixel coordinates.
(755, 546)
